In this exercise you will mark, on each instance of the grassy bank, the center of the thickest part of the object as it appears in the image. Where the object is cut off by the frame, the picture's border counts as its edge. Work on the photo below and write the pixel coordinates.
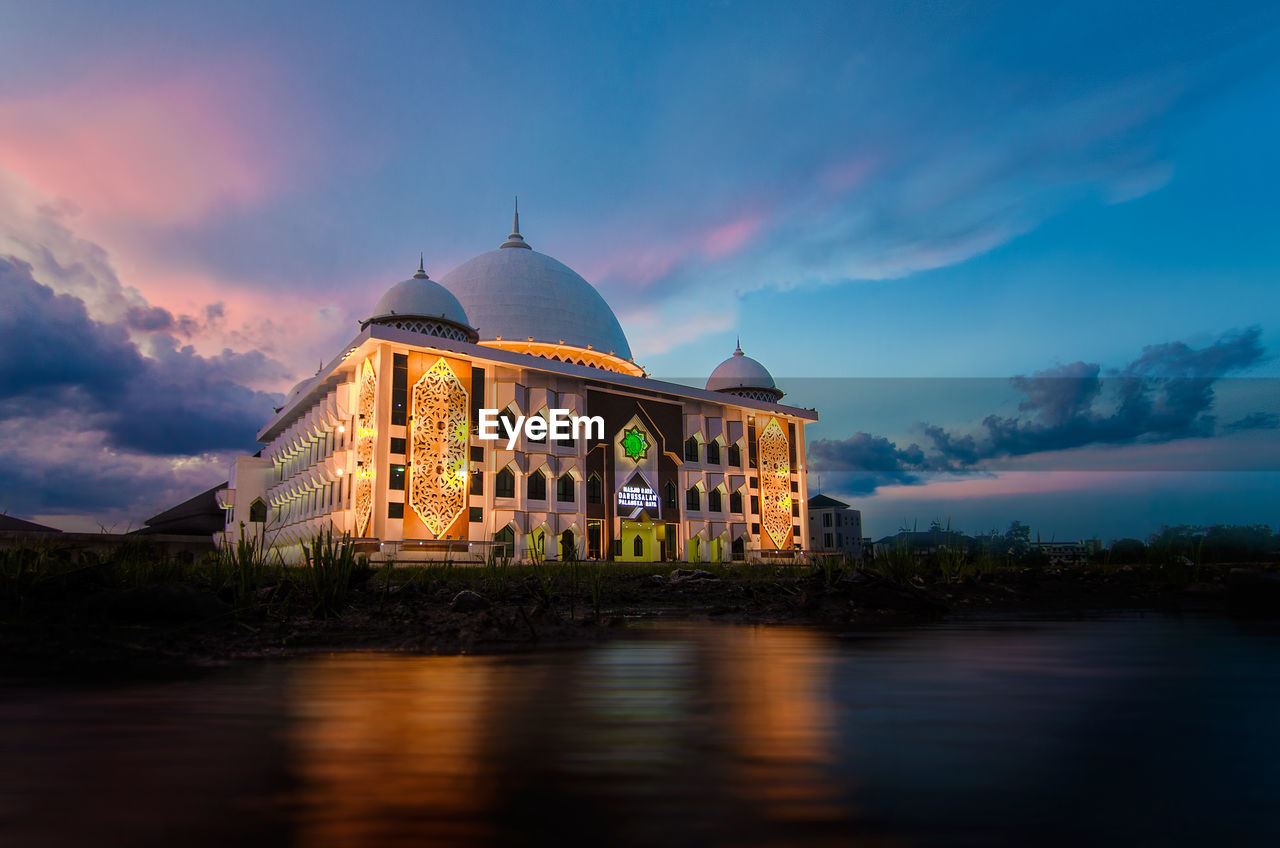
(135, 604)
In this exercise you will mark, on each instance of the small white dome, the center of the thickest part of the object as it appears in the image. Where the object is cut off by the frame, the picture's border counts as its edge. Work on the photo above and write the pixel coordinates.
(740, 374)
(420, 297)
(423, 305)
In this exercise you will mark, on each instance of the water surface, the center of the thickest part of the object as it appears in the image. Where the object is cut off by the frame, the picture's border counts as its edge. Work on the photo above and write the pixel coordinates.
(1116, 731)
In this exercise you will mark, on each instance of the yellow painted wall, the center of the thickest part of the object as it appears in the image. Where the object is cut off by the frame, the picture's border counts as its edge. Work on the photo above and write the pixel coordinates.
(648, 537)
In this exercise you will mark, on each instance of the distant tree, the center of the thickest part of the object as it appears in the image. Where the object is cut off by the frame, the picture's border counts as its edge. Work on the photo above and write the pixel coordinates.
(1239, 543)
(1173, 544)
(1126, 551)
(1018, 539)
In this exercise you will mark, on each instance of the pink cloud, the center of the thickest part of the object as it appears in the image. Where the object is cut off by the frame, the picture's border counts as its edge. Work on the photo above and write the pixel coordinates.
(1007, 483)
(848, 174)
(728, 238)
(297, 328)
(159, 152)
(648, 258)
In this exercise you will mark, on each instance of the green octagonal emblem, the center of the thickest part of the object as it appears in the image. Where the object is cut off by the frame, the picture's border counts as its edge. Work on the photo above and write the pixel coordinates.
(635, 444)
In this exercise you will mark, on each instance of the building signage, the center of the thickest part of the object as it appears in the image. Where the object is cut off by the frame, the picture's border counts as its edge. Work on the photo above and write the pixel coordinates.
(637, 497)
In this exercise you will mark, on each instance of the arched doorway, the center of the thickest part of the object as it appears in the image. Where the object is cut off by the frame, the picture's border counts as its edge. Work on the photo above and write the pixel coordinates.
(639, 540)
(537, 551)
(568, 546)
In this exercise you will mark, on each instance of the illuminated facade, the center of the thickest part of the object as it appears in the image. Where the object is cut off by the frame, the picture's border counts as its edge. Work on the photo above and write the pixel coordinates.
(383, 443)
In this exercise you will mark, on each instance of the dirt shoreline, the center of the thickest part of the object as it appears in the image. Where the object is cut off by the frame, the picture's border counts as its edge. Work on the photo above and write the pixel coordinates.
(176, 626)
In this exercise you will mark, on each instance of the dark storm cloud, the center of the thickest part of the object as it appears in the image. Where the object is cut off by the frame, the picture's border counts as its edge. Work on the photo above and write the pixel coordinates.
(57, 361)
(78, 471)
(48, 343)
(1166, 393)
(148, 318)
(1177, 359)
(1254, 421)
(866, 452)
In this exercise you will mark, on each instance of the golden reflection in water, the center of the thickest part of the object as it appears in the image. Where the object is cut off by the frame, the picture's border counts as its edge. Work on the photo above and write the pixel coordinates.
(626, 742)
(386, 744)
(781, 722)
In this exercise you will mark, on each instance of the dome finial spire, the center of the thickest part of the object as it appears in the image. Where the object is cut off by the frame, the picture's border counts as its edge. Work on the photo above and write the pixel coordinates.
(515, 239)
(737, 347)
(421, 273)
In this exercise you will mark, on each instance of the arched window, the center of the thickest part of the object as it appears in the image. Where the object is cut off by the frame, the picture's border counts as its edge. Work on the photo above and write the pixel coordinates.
(504, 485)
(691, 449)
(539, 440)
(735, 501)
(713, 453)
(504, 542)
(735, 456)
(258, 511)
(564, 488)
(669, 495)
(537, 486)
(637, 547)
(506, 425)
(568, 441)
(693, 499)
(713, 500)
(739, 549)
(594, 490)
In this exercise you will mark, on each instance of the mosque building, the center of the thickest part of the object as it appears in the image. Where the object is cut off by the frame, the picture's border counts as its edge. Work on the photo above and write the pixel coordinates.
(385, 443)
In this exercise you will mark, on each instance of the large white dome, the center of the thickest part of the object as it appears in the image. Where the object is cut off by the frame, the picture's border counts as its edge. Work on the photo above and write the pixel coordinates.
(515, 293)
(742, 375)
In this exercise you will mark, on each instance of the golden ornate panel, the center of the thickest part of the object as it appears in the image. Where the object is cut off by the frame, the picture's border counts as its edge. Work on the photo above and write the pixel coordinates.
(775, 484)
(438, 431)
(366, 434)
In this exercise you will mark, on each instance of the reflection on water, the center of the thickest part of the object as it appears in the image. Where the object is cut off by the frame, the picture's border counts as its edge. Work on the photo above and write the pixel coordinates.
(1110, 731)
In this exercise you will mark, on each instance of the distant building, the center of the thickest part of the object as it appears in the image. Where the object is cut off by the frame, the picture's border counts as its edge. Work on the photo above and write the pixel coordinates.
(924, 543)
(834, 528)
(1069, 553)
(198, 516)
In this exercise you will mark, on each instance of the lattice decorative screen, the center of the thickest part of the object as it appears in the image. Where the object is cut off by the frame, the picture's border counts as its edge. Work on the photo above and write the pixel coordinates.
(438, 450)
(775, 484)
(366, 434)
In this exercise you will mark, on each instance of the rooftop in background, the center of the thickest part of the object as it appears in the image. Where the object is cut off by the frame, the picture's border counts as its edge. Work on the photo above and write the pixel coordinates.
(9, 523)
(198, 516)
(824, 502)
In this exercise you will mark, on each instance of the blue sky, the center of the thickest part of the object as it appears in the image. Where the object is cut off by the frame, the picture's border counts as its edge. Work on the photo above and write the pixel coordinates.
(859, 190)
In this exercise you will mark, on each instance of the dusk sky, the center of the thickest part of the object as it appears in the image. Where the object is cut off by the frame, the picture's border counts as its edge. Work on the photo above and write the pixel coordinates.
(199, 202)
